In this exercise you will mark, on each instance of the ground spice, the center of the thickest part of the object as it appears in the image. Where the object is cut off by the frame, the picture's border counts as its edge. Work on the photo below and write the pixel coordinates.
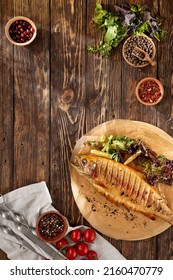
(149, 92)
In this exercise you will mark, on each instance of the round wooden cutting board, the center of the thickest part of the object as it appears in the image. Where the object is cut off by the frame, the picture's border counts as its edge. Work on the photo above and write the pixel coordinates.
(114, 220)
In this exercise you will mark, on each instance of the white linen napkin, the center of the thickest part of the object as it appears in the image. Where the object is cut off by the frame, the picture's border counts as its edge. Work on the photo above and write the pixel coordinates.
(32, 201)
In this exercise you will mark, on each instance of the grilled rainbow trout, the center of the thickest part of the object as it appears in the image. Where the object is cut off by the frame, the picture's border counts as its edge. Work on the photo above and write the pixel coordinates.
(122, 185)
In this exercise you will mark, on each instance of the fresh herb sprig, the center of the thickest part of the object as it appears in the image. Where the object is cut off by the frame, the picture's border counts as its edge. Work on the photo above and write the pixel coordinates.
(130, 19)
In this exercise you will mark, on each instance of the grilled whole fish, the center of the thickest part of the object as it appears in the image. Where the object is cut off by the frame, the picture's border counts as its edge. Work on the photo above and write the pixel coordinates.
(122, 185)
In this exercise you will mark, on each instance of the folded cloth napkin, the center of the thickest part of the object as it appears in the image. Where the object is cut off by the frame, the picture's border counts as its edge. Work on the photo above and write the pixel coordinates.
(31, 201)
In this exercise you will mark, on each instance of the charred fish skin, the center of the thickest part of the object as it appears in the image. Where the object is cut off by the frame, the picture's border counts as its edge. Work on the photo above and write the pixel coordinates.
(121, 184)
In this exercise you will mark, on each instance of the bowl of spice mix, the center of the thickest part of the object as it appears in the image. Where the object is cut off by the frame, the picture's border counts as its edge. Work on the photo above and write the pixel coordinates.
(140, 42)
(51, 226)
(149, 91)
(20, 31)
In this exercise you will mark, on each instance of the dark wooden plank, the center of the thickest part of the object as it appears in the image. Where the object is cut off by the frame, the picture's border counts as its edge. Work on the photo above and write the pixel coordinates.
(67, 97)
(132, 109)
(31, 89)
(6, 104)
(103, 76)
(6, 101)
(165, 109)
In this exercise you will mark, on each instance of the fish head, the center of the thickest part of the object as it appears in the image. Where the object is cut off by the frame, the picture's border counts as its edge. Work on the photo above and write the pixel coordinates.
(85, 164)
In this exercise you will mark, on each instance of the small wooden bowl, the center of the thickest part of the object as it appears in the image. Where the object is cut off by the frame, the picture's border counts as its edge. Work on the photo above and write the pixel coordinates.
(135, 39)
(10, 22)
(143, 81)
(45, 220)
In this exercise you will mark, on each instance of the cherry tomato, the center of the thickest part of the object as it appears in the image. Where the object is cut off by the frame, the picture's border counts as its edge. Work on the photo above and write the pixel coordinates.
(61, 243)
(71, 253)
(82, 248)
(89, 235)
(92, 255)
(75, 235)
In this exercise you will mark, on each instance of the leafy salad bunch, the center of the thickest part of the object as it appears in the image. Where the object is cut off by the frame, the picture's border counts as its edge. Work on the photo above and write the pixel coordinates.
(130, 19)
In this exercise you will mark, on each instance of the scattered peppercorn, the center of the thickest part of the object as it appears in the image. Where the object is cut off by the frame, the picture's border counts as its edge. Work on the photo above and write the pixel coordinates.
(21, 31)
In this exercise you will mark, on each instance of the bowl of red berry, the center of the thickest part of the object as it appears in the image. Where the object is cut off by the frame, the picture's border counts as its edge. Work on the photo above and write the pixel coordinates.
(149, 91)
(51, 226)
(20, 31)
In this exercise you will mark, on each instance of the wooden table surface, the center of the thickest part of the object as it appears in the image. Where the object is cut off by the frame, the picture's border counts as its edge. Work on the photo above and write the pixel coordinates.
(53, 91)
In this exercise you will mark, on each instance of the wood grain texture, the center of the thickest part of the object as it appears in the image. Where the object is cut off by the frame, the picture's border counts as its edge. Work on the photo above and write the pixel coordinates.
(31, 99)
(53, 91)
(103, 99)
(67, 97)
(6, 104)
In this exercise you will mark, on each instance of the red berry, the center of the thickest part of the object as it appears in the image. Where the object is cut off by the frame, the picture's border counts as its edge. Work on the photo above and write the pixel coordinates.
(75, 235)
(89, 235)
(71, 253)
(92, 255)
(21, 28)
(61, 243)
(82, 248)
